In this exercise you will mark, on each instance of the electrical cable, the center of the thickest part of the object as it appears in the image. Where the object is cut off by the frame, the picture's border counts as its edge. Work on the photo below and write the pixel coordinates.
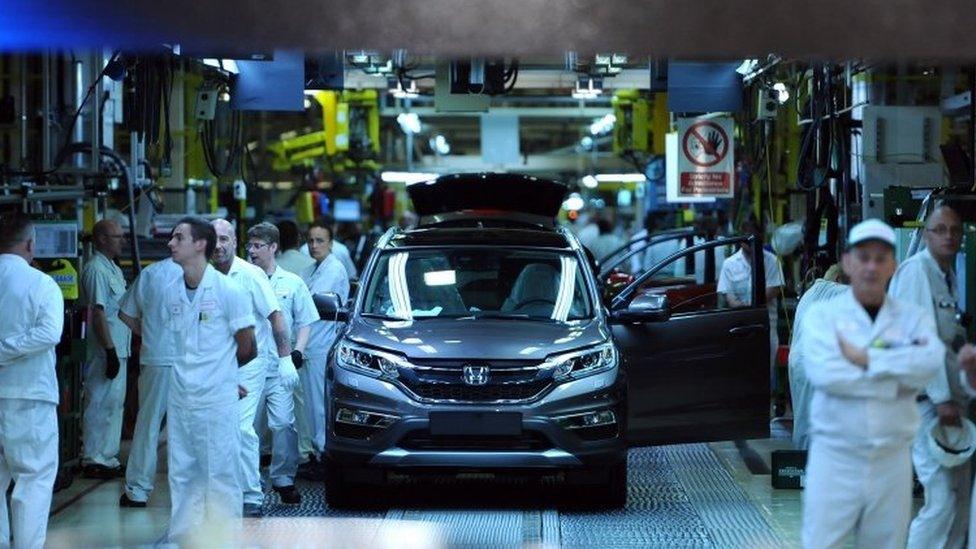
(60, 156)
(123, 172)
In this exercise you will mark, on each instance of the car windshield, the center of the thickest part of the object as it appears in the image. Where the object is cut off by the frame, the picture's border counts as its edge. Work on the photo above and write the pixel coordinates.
(540, 285)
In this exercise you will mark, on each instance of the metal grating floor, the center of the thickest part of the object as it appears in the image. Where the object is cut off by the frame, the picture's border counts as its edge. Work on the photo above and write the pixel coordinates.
(679, 496)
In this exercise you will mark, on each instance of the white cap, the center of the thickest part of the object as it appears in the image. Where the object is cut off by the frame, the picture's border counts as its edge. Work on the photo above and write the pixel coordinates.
(871, 229)
(951, 446)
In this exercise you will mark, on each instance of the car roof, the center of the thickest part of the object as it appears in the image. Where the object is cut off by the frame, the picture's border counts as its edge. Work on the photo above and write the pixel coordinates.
(488, 194)
(480, 236)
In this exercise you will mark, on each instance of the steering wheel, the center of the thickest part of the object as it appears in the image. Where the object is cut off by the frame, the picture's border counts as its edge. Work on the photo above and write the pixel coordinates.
(521, 304)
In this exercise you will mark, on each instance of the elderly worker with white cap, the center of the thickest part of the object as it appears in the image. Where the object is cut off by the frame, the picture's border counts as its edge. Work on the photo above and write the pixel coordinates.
(928, 279)
(867, 356)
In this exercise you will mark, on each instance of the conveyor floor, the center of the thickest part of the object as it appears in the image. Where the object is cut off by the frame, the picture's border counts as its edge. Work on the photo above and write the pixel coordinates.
(679, 496)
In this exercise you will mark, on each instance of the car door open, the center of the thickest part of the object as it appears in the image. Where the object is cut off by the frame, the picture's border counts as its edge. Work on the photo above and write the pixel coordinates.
(696, 370)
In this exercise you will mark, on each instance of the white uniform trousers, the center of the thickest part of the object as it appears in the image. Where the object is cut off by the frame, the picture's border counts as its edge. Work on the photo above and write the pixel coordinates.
(101, 422)
(944, 519)
(301, 417)
(315, 399)
(28, 457)
(140, 470)
(204, 466)
(251, 376)
(856, 490)
(801, 395)
(280, 407)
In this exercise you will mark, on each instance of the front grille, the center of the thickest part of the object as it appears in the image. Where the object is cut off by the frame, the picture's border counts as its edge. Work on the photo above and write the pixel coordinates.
(483, 393)
(443, 380)
(423, 440)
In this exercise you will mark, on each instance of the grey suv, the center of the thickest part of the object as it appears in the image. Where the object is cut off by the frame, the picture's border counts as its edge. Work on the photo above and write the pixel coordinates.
(482, 341)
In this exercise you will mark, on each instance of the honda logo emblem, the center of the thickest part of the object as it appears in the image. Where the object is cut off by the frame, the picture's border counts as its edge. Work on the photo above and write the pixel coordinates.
(475, 375)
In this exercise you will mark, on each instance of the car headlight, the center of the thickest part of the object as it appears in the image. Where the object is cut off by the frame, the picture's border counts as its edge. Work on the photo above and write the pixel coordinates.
(579, 364)
(370, 362)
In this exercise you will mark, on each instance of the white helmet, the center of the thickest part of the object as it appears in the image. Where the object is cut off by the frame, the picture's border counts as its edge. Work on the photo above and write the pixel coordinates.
(952, 446)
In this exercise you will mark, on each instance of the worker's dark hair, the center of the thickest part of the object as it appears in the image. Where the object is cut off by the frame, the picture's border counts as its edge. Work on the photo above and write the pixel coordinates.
(201, 229)
(604, 225)
(750, 226)
(942, 205)
(264, 231)
(323, 223)
(14, 229)
(287, 234)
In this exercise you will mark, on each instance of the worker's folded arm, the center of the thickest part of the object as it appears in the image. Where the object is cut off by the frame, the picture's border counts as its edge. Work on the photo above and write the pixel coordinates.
(46, 329)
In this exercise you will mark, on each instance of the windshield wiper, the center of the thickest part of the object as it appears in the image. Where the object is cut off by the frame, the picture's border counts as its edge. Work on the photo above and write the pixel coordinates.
(384, 317)
(510, 316)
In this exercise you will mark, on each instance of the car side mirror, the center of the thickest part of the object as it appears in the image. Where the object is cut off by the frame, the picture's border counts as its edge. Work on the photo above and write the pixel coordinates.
(330, 307)
(644, 308)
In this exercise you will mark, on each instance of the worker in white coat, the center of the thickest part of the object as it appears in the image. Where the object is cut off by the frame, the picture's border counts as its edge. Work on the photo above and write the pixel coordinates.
(298, 312)
(967, 377)
(339, 250)
(274, 358)
(867, 356)
(801, 392)
(290, 257)
(928, 279)
(30, 327)
(735, 288)
(214, 324)
(142, 309)
(109, 340)
(327, 275)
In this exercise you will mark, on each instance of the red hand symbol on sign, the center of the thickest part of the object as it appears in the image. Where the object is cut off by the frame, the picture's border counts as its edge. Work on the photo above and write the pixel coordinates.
(705, 150)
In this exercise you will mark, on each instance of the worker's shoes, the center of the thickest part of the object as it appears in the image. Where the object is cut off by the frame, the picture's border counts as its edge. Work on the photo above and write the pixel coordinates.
(252, 510)
(311, 470)
(93, 470)
(289, 494)
(124, 501)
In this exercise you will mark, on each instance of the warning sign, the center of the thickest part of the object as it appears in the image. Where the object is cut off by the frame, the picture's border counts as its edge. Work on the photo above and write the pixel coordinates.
(705, 166)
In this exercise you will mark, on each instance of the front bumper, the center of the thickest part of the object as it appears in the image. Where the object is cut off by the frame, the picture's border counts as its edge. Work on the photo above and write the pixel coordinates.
(406, 443)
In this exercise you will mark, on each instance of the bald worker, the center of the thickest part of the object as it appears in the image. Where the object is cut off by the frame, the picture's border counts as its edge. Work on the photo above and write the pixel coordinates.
(928, 279)
(108, 349)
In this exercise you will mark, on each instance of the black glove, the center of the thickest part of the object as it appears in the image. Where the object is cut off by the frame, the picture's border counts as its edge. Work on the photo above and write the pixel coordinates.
(111, 363)
(297, 359)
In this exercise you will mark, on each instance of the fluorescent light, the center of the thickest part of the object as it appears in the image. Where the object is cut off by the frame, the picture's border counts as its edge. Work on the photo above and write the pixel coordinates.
(407, 177)
(574, 202)
(747, 66)
(590, 182)
(226, 65)
(621, 177)
(440, 278)
(603, 125)
(588, 87)
(409, 122)
(399, 92)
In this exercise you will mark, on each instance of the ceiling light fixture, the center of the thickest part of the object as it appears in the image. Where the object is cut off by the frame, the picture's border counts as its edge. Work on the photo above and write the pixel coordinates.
(588, 87)
(398, 91)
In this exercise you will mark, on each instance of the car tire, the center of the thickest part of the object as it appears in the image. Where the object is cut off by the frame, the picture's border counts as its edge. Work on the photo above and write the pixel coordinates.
(601, 487)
